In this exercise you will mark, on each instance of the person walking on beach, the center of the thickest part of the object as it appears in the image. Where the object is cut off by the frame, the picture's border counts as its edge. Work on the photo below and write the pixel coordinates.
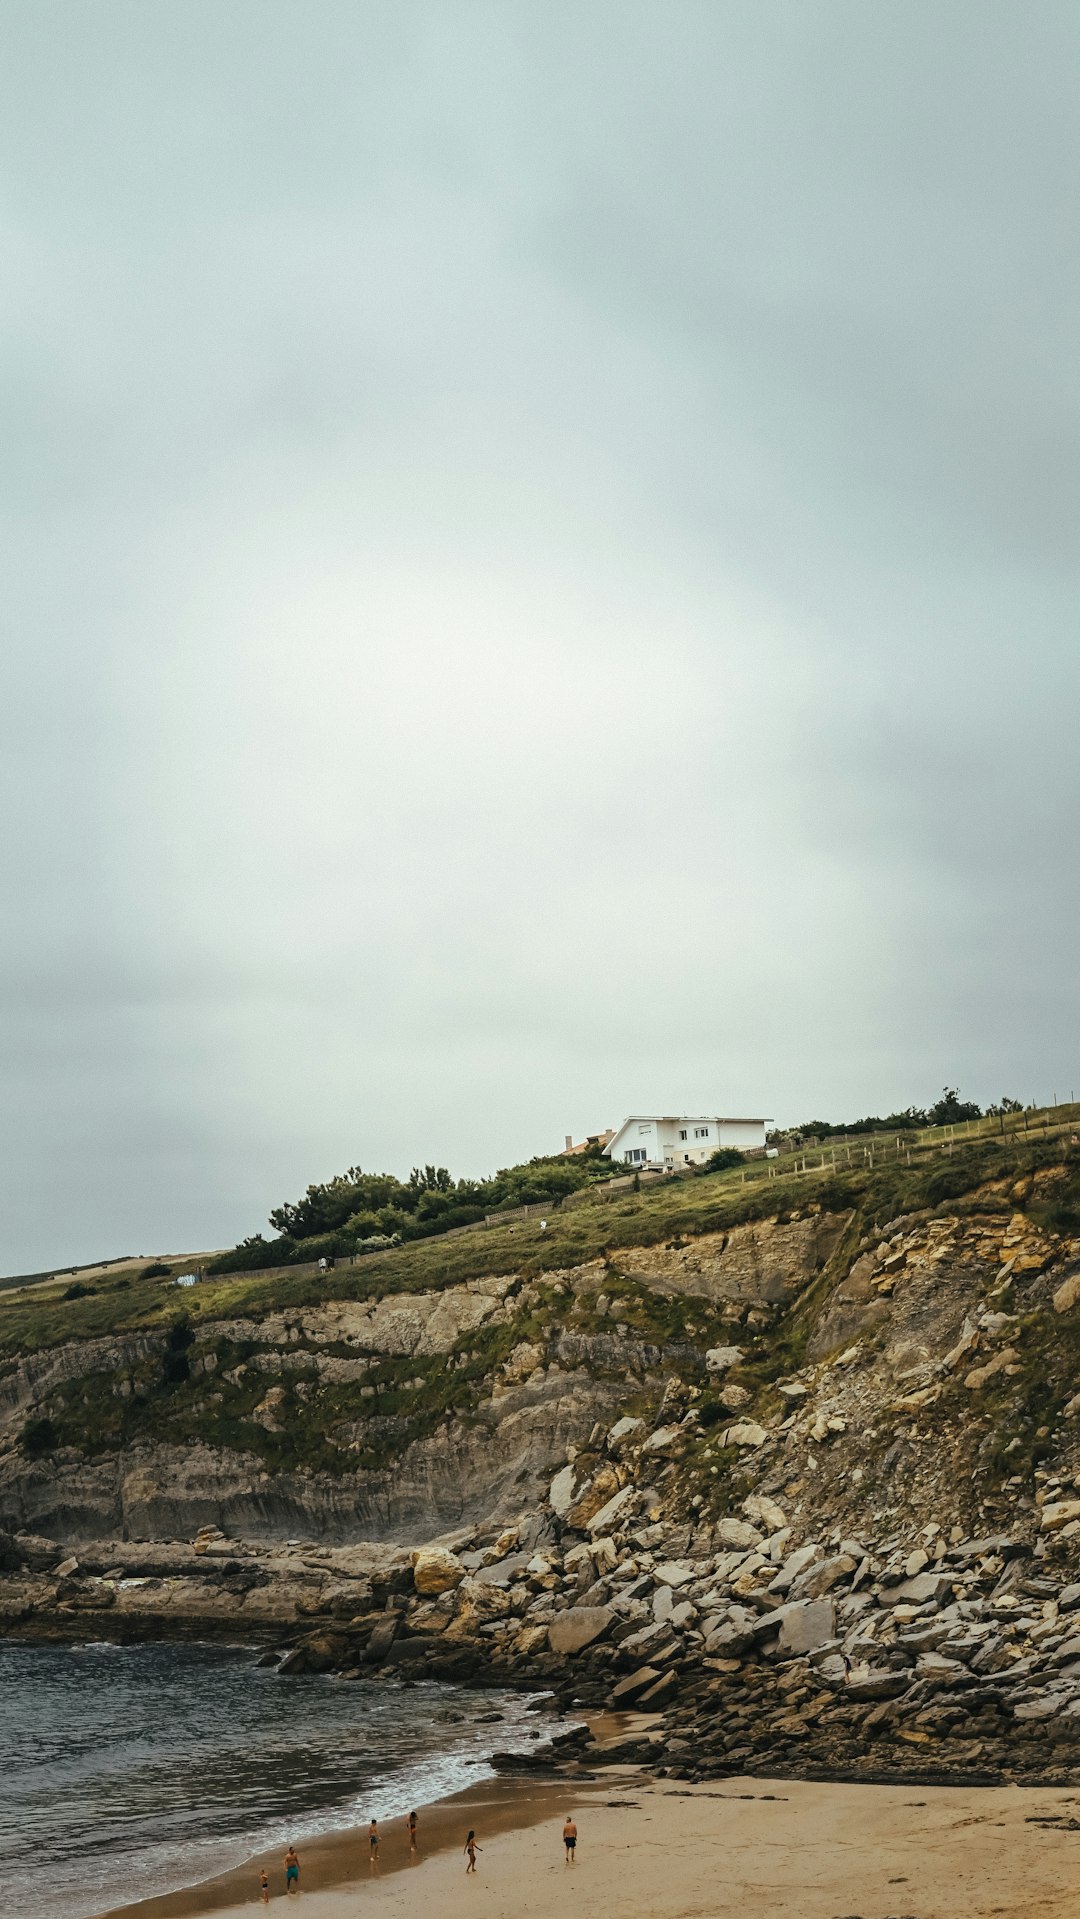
(472, 1849)
(264, 1887)
(373, 1842)
(292, 1870)
(569, 1838)
(410, 1827)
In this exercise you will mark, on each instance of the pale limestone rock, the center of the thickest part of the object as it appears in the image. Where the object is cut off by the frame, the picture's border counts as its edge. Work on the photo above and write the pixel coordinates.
(719, 1359)
(806, 1626)
(670, 1573)
(764, 1512)
(1059, 1513)
(562, 1491)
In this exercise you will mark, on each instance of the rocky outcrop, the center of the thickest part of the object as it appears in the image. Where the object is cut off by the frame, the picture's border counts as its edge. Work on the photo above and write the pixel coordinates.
(762, 1264)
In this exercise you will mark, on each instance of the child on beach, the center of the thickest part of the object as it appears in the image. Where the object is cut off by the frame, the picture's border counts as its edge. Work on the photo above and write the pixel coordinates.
(292, 1870)
(472, 1849)
(264, 1887)
(410, 1827)
(373, 1842)
(569, 1838)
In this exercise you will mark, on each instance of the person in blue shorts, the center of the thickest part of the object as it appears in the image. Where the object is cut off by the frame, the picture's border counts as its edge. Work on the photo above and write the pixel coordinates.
(292, 1870)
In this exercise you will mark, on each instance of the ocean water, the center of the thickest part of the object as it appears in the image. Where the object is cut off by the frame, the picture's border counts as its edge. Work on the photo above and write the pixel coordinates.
(134, 1770)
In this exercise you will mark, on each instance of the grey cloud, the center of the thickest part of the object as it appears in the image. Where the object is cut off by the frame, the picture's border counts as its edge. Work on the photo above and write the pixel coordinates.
(540, 578)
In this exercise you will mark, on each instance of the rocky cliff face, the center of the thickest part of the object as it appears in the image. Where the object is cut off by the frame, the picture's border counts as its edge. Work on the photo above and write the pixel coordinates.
(393, 1418)
(810, 1488)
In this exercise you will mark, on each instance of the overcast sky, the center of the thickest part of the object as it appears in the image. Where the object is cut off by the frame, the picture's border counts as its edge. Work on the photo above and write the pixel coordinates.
(540, 581)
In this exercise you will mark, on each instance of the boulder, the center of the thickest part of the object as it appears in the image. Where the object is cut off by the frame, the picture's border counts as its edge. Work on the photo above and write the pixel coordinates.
(435, 1570)
(873, 1683)
(794, 1564)
(605, 1518)
(665, 1439)
(1002, 1362)
(733, 1398)
(737, 1534)
(659, 1693)
(815, 1581)
(806, 1625)
(562, 1490)
(745, 1432)
(735, 1636)
(922, 1589)
(623, 1433)
(598, 1494)
(322, 1652)
(1058, 1513)
(635, 1683)
(382, 1637)
(571, 1631)
(718, 1359)
(765, 1512)
(670, 1573)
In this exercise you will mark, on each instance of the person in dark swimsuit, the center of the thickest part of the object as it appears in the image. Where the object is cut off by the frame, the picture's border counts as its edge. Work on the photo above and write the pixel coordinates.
(569, 1838)
(373, 1843)
(410, 1827)
(472, 1849)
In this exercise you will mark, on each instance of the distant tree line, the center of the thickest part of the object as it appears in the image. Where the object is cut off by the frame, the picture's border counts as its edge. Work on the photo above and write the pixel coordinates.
(348, 1212)
(949, 1110)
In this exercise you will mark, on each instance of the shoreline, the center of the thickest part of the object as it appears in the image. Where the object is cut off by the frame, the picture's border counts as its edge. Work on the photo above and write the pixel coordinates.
(660, 1849)
(335, 1861)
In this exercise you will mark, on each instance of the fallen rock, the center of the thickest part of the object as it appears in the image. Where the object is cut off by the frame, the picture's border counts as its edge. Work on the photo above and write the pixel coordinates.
(577, 1627)
(719, 1359)
(669, 1573)
(1059, 1513)
(1000, 1363)
(806, 1625)
(435, 1570)
(745, 1432)
(737, 1533)
(765, 1512)
(633, 1684)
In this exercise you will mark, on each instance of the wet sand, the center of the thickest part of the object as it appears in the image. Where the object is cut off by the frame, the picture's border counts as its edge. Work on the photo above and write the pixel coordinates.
(749, 1848)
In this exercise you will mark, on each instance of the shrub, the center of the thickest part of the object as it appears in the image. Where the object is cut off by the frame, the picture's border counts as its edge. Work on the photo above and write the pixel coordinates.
(723, 1157)
(77, 1291)
(156, 1270)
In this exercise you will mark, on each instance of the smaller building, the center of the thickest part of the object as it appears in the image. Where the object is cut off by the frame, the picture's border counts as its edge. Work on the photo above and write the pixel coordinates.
(583, 1145)
(664, 1142)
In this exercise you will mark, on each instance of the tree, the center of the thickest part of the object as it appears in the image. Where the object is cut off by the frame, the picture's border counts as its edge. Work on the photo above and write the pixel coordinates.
(951, 1110)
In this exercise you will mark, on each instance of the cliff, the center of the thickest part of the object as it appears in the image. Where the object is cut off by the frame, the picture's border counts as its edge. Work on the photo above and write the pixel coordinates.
(806, 1450)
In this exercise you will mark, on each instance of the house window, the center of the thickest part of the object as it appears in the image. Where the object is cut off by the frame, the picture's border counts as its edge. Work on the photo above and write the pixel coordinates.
(636, 1153)
(701, 1132)
(683, 1133)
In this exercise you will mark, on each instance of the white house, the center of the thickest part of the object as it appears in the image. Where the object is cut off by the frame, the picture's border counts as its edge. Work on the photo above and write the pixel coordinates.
(663, 1141)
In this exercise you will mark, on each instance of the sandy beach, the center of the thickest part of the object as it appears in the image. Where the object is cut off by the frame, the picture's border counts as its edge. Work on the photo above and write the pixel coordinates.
(661, 1851)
